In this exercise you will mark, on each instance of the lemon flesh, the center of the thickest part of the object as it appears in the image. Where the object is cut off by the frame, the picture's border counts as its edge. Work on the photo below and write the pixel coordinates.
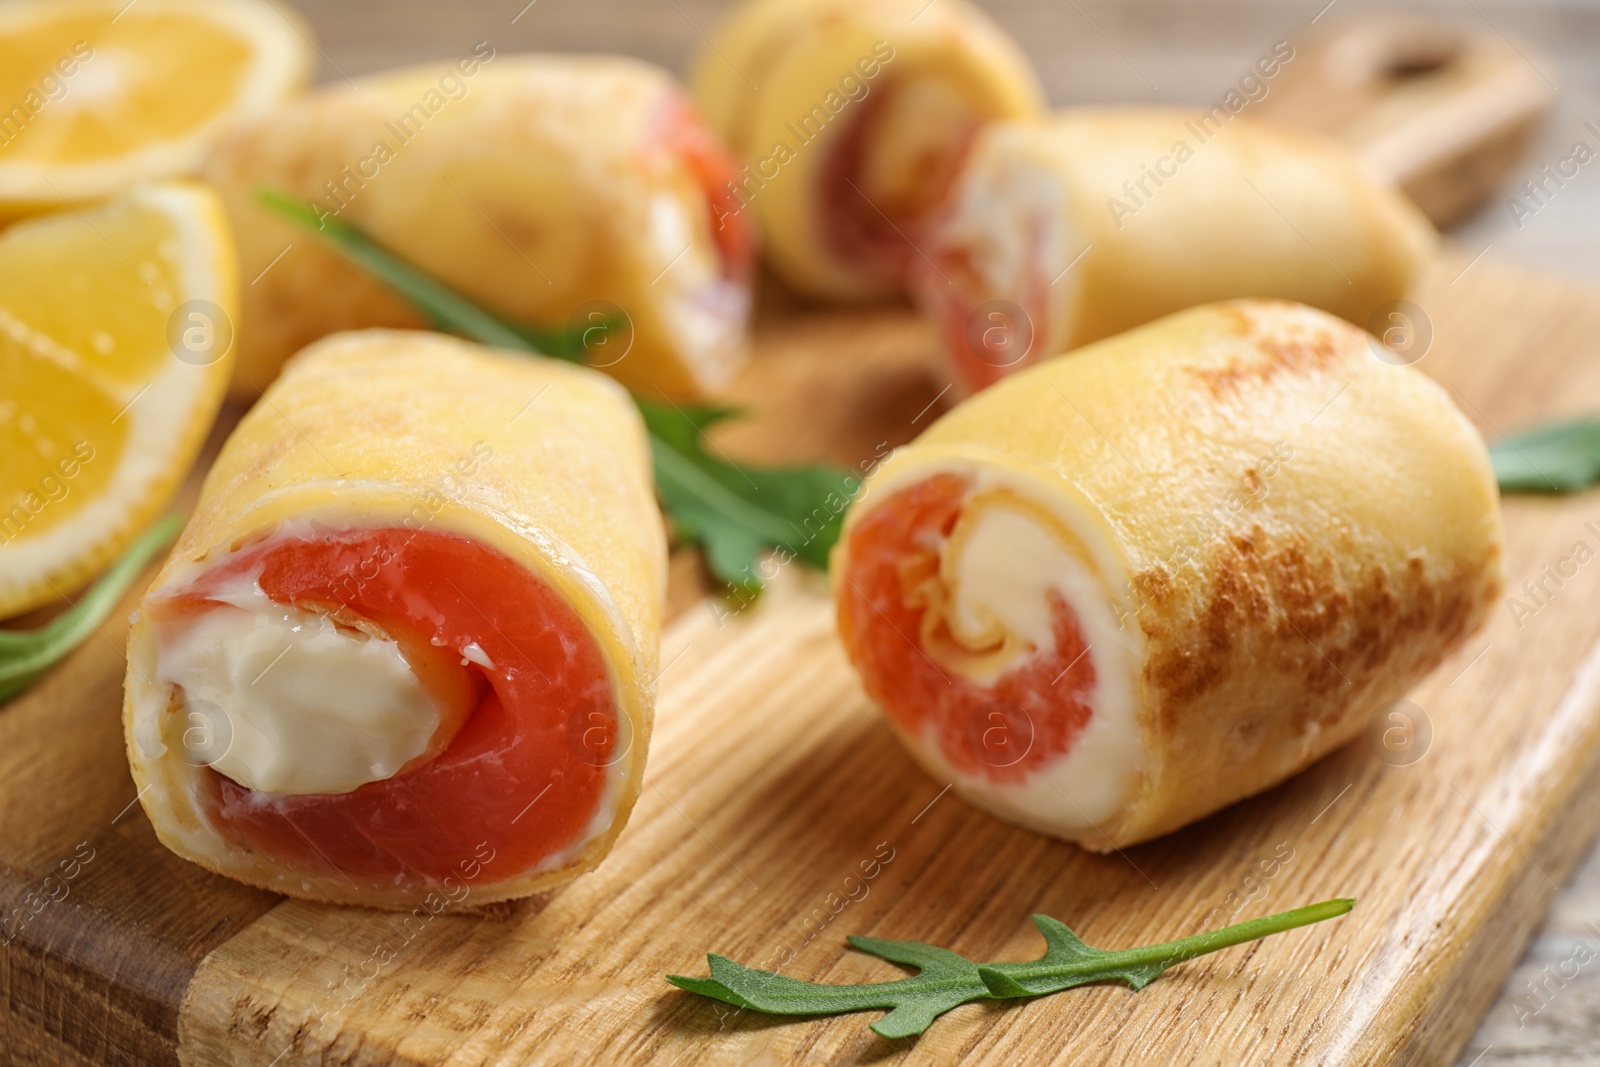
(95, 96)
(115, 350)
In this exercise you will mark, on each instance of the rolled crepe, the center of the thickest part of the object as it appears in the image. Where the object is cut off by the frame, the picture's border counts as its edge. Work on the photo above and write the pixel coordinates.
(1071, 228)
(407, 642)
(1127, 587)
(852, 118)
(558, 191)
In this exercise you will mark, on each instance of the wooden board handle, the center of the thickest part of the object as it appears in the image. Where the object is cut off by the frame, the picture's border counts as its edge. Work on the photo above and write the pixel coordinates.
(1443, 112)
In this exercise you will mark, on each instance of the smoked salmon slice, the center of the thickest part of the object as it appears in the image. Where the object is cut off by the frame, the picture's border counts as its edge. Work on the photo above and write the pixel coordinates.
(533, 659)
(1002, 730)
(407, 642)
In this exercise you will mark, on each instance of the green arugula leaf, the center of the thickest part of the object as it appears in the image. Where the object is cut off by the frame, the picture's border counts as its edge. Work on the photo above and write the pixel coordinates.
(27, 654)
(1562, 457)
(682, 427)
(946, 980)
(796, 508)
(733, 511)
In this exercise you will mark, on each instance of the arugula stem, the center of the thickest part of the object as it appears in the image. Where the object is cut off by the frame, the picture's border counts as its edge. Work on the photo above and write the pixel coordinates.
(444, 307)
(27, 654)
(672, 465)
(1187, 948)
(1169, 953)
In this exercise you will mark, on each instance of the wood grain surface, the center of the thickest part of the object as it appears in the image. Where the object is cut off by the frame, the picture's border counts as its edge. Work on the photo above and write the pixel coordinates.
(97, 973)
(771, 779)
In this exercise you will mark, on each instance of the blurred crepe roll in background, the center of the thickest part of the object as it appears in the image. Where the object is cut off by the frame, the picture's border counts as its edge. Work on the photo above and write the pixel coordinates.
(1130, 586)
(553, 190)
(1070, 228)
(408, 640)
(852, 118)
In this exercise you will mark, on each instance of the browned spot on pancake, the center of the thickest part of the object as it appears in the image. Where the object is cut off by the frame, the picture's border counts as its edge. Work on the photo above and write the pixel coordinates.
(1253, 483)
(1238, 319)
(1182, 674)
(1154, 586)
(1296, 353)
(524, 233)
(1285, 608)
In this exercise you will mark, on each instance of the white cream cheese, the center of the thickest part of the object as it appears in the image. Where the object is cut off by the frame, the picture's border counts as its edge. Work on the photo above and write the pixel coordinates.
(1009, 218)
(287, 701)
(704, 311)
(1005, 569)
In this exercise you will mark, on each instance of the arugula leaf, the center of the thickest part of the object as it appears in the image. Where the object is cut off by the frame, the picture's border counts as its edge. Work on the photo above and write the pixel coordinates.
(797, 508)
(946, 980)
(733, 511)
(27, 654)
(1562, 457)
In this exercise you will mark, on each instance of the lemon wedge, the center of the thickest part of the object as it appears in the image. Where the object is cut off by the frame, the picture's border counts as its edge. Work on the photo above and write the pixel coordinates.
(116, 333)
(98, 94)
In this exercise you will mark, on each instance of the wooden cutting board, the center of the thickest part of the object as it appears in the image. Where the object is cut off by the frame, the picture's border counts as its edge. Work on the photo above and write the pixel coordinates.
(771, 779)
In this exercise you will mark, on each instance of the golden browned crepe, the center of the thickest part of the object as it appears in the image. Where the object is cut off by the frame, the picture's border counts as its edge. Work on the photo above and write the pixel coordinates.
(406, 525)
(1066, 229)
(1129, 586)
(553, 190)
(852, 117)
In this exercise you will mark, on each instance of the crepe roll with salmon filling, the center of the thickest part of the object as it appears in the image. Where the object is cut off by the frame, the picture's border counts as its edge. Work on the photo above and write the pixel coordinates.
(407, 642)
(1071, 228)
(1127, 587)
(561, 192)
(851, 118)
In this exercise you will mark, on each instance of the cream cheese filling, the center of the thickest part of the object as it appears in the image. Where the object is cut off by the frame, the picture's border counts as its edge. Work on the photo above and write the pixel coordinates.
(704, 311)
(1009, 219)
(1002, 572)
(288, 701)
(1012, 548)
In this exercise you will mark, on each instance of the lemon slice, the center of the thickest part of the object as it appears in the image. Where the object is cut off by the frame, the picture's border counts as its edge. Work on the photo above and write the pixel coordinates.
(98, 94)
(116, 332)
